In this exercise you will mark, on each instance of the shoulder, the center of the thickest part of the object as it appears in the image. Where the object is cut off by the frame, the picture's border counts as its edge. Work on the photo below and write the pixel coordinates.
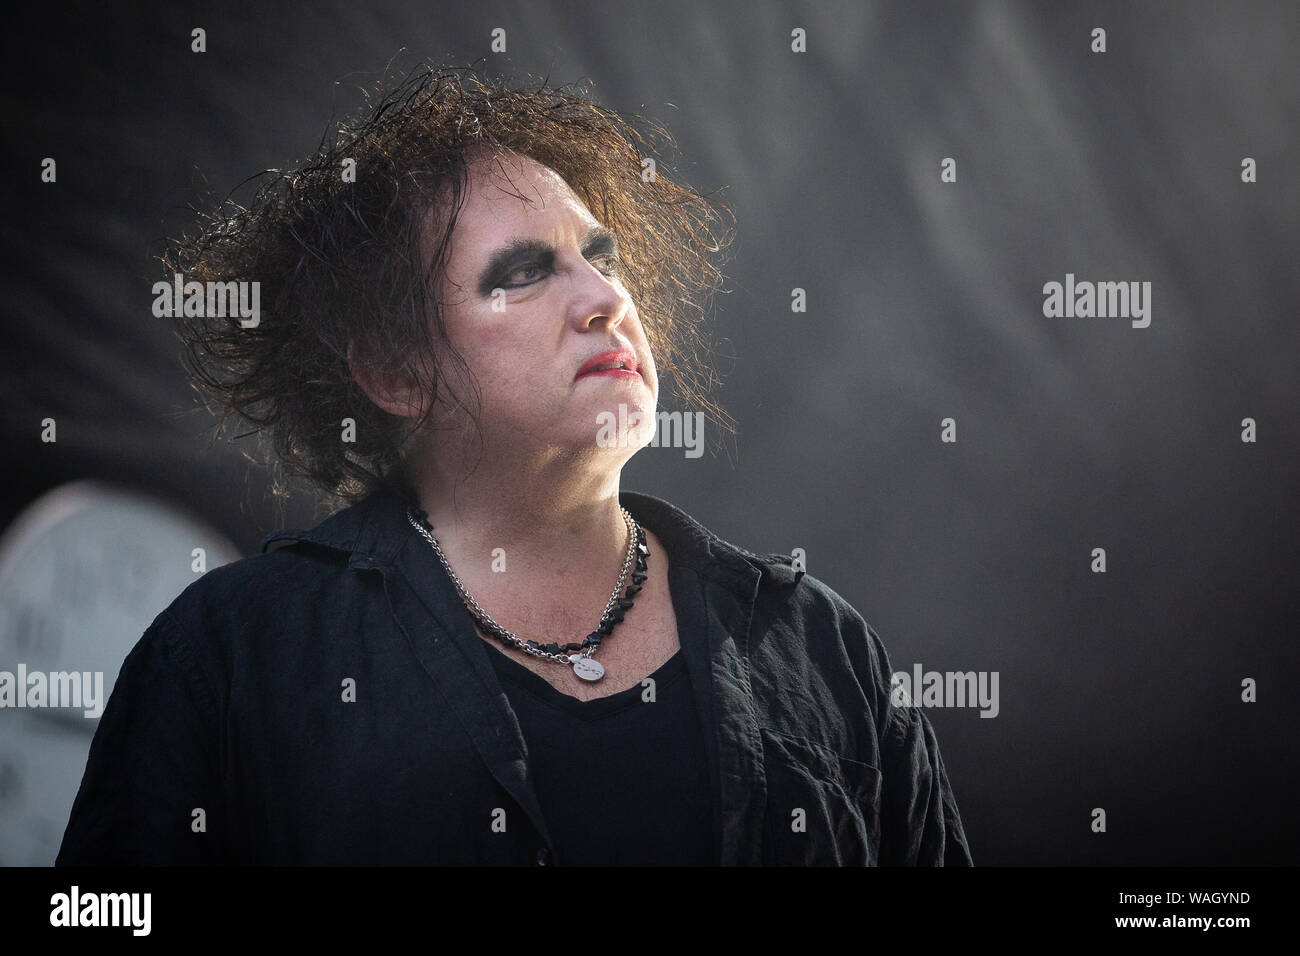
(250, 602)
(789, 592)
(784, 584)
(820, 622)
(286, 574)
(790, 605)
(803, 633)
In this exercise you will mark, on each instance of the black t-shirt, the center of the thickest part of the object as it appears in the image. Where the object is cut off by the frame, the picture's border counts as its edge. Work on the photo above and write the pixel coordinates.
(622, 780)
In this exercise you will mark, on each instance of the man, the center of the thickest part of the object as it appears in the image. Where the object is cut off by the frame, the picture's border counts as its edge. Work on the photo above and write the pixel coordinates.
(440, 673)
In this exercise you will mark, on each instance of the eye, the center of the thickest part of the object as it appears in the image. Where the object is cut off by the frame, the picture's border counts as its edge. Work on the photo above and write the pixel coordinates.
(614, 265)
(537, 267)
(608, 264)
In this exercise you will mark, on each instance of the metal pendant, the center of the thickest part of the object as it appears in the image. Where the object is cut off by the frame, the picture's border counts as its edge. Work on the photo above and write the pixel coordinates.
(587, 668)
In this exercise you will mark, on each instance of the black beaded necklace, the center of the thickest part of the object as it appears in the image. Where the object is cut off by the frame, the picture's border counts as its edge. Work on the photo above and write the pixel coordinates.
(576, 655)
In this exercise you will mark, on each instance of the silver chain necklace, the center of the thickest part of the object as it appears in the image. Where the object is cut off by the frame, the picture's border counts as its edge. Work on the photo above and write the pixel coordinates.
(583, 664)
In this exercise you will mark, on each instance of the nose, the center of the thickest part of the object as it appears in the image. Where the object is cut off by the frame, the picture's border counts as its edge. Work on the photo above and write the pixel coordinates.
(597, 297)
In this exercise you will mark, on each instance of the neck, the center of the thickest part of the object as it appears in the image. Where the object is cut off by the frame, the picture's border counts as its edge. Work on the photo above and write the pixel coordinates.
(555, 521)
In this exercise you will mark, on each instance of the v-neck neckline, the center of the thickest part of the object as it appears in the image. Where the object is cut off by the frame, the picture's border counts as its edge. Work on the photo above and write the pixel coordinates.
(521, 677)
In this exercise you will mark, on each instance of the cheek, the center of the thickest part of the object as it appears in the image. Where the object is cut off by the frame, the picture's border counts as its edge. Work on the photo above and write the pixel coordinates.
(505, 359)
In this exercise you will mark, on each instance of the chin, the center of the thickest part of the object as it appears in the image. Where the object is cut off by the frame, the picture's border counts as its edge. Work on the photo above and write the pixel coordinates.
(624, 425)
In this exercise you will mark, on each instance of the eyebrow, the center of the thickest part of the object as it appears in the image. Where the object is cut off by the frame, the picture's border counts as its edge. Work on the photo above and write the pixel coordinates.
(598, 240)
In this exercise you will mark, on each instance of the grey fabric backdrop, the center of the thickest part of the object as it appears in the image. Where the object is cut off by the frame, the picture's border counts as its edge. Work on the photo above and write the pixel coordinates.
(1118, 690)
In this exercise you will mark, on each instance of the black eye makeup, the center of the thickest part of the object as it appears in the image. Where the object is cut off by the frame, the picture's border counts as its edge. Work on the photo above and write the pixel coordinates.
(523, 255)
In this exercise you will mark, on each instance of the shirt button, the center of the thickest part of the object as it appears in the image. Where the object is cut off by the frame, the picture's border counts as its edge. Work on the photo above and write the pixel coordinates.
(543, 857)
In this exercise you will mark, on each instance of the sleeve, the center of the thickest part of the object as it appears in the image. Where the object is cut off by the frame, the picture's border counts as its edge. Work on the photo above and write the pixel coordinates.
(152, 766)
(919, 822)
(920, 825)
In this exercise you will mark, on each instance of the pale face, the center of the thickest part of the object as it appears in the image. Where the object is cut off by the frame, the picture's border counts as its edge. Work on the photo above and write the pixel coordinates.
(531, 293)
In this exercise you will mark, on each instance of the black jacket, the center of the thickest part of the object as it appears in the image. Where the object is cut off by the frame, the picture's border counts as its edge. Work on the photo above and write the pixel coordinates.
(226, 739)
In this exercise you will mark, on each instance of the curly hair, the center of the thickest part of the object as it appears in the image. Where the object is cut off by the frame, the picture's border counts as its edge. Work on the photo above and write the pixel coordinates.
(341, 270)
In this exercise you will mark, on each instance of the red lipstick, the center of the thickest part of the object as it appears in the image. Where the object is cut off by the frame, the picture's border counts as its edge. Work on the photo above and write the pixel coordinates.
(617, 363)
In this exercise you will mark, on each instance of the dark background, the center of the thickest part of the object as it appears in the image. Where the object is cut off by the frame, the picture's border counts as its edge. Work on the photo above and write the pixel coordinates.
(1118, 690)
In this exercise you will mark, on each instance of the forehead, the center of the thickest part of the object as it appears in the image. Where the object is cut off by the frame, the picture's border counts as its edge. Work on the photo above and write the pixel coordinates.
(510, 193)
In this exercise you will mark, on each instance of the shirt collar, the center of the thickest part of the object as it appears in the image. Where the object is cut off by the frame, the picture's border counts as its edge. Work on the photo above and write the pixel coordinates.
(375, 529)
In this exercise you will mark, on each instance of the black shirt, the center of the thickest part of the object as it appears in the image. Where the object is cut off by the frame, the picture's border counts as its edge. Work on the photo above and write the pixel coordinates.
(329, 702)
(622, 779)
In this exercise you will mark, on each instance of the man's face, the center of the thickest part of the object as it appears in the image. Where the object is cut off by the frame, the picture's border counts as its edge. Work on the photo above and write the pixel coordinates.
(531, 292)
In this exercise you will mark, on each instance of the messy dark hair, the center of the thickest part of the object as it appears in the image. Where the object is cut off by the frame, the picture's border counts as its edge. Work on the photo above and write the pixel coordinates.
(340, 266)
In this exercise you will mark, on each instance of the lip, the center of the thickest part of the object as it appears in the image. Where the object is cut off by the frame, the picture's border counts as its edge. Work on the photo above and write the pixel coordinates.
(626, 356)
